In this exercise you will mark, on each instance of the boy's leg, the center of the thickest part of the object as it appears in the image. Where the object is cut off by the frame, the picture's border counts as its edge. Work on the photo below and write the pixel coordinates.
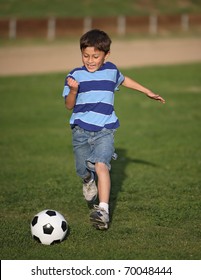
(100, 215)
(82, 151)
(104, 149)
(104, 184)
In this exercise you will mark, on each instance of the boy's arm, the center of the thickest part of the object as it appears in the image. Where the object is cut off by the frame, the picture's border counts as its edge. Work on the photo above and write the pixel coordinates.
(71, 97)
(130, 83)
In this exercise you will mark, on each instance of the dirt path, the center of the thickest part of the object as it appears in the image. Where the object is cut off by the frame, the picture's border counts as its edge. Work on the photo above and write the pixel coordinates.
(63, 57)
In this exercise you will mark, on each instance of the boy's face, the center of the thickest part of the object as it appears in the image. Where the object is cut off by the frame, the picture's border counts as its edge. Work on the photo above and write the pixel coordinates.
(93, 59)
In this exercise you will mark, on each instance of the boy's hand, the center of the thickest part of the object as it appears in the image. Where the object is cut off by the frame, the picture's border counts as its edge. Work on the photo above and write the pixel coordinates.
(73, 85)
(155, 97)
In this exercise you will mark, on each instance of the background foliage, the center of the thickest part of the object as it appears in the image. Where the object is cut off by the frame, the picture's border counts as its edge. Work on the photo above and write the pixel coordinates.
(95, 8)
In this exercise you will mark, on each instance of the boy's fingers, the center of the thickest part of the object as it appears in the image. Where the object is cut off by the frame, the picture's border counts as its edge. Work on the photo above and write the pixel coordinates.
(158, 97)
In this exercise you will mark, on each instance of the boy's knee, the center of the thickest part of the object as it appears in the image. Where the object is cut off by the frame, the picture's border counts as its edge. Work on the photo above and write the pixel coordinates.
(101, 167)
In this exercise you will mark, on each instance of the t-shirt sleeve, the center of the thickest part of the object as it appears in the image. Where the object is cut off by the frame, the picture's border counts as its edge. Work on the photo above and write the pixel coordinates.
(120, 79)
(66, 88)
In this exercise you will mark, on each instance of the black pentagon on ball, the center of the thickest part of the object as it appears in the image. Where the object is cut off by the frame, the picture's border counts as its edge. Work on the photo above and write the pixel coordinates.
(55, 242)
(34, 221)
(48, 229)
(36, 238)
(64, 226)
(51, 213)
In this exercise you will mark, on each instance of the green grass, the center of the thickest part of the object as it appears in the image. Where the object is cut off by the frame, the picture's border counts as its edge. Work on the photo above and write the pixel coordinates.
(95, 8)
(156, 181)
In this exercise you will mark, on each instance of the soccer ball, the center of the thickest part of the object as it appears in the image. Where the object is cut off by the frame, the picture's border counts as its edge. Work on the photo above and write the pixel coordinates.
(49, 227)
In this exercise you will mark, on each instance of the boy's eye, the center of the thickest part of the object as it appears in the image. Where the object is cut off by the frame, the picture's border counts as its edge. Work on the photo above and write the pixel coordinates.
(87, 56)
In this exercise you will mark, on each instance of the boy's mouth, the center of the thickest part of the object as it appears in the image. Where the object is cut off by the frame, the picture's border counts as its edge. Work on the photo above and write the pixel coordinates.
(91, 66)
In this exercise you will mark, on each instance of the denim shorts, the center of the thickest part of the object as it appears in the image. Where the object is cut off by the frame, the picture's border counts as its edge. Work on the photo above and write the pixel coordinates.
(90, 147)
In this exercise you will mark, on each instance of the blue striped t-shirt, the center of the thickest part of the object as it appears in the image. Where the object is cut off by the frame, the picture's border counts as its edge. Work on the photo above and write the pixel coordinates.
(94, 107)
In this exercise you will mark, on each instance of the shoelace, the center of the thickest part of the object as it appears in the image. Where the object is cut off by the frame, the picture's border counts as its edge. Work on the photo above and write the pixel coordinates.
(88, 185)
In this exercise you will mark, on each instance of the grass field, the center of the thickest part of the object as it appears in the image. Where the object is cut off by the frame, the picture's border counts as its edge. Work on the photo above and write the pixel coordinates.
(67, 8)
(156, 181)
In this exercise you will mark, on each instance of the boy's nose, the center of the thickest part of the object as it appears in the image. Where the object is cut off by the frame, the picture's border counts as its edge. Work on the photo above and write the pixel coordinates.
(90, 59)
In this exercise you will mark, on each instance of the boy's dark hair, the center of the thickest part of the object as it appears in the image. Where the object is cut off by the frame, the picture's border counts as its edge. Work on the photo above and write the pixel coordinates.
(97, 39)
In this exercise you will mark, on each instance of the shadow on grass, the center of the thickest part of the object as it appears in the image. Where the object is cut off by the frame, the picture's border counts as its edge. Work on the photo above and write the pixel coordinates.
(118, 175)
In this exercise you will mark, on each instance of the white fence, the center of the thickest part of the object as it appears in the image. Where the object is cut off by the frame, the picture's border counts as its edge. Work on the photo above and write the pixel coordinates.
(123, 25)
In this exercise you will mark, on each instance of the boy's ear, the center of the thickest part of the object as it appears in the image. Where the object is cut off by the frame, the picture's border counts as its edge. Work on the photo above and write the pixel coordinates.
(107, 55)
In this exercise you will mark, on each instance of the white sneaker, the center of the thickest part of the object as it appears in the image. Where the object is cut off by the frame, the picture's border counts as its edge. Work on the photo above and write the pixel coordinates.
(90, 190)
(99, 218)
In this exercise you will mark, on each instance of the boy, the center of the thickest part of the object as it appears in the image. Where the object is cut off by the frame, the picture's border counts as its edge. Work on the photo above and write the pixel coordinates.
(89, 91)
